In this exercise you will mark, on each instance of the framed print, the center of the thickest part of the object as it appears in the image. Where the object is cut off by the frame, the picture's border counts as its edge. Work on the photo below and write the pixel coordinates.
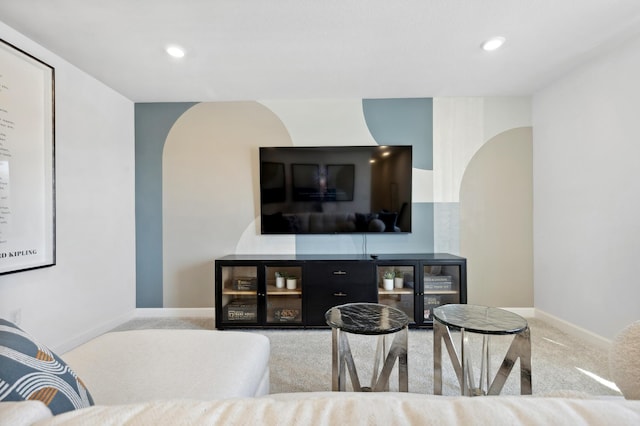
(340, 179)
(27, 175)
(305, 182)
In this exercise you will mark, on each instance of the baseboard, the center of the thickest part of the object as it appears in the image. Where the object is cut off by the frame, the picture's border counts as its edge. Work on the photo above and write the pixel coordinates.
(92, 333)
(523, 312)
(574, 330)
(174, 312)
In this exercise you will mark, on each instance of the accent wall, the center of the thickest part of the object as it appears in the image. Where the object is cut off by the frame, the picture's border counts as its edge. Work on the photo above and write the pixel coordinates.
(197, 184)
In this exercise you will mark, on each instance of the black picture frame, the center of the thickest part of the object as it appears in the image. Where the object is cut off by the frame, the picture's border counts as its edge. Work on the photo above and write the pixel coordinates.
(27, 161)
(305, 183)
(340, 181)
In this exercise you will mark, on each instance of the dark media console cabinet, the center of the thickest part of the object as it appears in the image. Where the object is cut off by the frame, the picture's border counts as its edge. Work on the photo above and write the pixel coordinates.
(249, 293)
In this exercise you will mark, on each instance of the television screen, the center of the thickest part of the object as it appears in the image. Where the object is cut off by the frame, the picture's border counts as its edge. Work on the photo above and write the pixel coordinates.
(335, 190)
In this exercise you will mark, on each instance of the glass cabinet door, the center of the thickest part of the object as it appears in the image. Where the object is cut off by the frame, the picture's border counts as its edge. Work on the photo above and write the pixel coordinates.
(396, 287)
(441, 286)
(284, 294)
(239, 294)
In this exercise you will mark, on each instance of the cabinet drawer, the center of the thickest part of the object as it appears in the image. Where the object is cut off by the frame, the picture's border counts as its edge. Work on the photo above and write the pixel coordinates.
(319, 299)
(323, 273)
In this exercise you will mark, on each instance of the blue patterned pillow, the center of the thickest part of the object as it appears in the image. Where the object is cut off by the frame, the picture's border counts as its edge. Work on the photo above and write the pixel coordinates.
(30, 371)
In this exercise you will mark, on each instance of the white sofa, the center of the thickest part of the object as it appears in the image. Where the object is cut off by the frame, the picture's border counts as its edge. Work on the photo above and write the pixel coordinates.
(127, 367)
(143, 365)
(333, 408)
(197, 377)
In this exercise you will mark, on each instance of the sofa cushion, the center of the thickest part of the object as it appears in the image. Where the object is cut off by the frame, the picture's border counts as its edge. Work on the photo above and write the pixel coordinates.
(363, 220)
(30, 371)
(376, 225)
(23, 413)
(320, 223)
(131, 366)
(389, 219)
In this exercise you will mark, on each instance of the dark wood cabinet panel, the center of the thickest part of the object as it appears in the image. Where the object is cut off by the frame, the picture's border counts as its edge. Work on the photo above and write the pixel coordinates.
(320, 298)
(322, 272)
(247, 295)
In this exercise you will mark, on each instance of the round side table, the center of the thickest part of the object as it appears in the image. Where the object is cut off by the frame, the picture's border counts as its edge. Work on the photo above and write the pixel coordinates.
(369, 319)
(486, 321)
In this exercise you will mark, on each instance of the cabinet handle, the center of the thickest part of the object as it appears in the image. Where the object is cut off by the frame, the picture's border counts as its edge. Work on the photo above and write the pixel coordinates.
(339, 273)
(340, 294)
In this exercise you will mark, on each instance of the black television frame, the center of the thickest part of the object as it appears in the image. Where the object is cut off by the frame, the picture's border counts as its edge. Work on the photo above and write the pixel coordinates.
(311, 187)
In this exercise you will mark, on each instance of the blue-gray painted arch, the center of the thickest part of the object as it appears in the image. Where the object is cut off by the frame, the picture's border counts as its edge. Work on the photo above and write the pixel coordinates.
(153, 121)
(403, 122)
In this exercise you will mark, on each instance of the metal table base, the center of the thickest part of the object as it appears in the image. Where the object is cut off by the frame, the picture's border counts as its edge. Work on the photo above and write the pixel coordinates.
(371, 319)
(520, 348)
(342, 360)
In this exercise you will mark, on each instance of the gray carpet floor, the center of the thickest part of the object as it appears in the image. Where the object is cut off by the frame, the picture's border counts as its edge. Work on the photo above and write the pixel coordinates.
(301, 359)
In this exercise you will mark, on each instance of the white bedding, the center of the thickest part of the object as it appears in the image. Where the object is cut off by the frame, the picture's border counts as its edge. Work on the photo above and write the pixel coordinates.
(327, 408)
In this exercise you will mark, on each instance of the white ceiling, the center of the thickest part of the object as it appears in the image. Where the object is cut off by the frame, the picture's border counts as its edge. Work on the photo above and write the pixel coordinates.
(293, 49)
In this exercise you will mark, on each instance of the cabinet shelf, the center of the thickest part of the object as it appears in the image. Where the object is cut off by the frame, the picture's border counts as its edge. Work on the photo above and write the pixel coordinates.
(441, 292)
(395, 291)
(239, 292)
(272, 290)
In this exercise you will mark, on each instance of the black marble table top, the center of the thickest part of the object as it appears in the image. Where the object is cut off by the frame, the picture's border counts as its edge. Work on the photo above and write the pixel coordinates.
(480, 319)
(366, 318)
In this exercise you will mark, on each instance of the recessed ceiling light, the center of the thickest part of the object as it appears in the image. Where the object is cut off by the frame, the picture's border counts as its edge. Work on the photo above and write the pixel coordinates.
(175, 51)
(493, 43)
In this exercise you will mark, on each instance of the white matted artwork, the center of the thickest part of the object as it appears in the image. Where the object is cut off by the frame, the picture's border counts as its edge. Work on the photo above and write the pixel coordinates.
(27, 192)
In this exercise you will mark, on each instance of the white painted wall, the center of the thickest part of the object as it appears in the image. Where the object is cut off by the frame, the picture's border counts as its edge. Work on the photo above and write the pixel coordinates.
(586, 151)
(92, 286)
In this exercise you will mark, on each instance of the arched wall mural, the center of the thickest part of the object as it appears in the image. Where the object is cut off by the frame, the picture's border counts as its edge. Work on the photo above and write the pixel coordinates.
(496, 221)
(209, 178)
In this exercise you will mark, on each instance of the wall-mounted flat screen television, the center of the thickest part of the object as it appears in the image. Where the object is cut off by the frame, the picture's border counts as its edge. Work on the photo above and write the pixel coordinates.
(335, 189)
